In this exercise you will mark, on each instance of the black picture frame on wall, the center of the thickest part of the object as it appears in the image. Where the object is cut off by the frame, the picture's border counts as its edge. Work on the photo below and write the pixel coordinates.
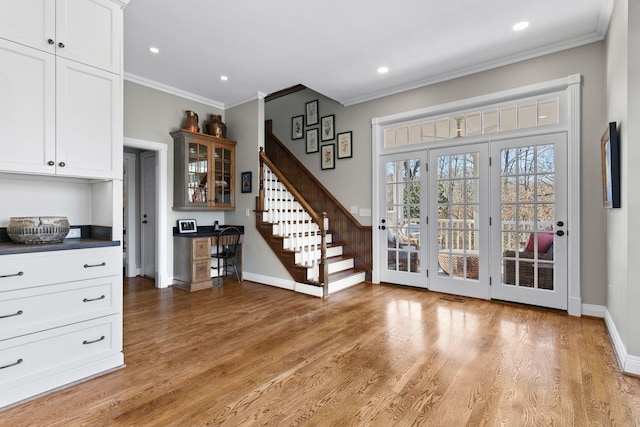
(245, 182)
(312, 141)
(610, 147)
(297, 127)
(328, 156)
(345, 150)
(327, 128)
(311, 112)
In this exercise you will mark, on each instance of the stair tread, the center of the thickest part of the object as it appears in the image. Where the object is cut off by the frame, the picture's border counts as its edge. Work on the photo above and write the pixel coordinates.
(339, 275)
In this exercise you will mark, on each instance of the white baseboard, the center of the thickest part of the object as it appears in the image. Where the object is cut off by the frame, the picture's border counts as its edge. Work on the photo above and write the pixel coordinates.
(628, 363)
(594, 310)
(290, 285)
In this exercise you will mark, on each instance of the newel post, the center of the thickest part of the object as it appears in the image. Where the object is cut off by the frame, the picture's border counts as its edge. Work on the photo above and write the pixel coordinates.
(260, 197)
(323, 267)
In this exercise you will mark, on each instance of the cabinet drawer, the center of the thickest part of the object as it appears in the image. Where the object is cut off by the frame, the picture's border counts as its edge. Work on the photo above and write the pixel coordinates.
(32, 357)
(201, 248)
(43, 268)
(30, 310)
(201, 270)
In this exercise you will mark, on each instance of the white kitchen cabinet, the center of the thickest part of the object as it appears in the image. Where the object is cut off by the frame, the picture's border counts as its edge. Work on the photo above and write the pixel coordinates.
(60, 117)
(60, 319)
(87, 31)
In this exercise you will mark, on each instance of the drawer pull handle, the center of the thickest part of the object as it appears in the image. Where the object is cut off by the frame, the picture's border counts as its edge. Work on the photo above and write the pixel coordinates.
(85, 342)
(94, 299)
(102, 264)
(11, 315)
(19, 361)
(19, 273)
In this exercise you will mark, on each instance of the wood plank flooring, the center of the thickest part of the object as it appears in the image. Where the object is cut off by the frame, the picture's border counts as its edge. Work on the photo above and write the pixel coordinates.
(373, 355)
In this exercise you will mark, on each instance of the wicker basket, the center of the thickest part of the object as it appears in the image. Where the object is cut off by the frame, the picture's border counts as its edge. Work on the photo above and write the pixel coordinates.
(525, 269)
(454, 265)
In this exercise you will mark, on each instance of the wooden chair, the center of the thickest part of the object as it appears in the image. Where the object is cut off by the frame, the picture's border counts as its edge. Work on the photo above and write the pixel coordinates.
(226, 249)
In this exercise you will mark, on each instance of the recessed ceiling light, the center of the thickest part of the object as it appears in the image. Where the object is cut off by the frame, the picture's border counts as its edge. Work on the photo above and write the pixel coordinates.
(520, 26)
(224, 78)
(383, 70)
(154, 49)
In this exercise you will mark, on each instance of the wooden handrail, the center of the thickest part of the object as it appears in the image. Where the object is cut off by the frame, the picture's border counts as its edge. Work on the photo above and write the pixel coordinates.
(345, 227)
(316, 217)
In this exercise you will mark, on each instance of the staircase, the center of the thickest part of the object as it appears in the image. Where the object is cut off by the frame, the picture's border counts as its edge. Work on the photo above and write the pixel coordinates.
(300, 237)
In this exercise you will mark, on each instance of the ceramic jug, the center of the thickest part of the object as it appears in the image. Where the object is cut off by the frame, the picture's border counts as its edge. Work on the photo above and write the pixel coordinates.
(191, 122)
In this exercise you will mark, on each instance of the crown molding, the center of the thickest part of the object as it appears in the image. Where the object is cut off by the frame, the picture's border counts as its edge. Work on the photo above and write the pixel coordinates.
(133, 78)
(508, 60)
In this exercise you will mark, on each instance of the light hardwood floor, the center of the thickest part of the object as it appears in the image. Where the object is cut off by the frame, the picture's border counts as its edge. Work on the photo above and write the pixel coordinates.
(373, 355)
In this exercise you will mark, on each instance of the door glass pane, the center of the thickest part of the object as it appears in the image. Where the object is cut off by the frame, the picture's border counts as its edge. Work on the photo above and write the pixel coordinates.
(402, 220)
(527, 216)
(458, 212)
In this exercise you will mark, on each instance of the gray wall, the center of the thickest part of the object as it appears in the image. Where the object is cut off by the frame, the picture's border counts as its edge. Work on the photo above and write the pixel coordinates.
(351, 180)
(150, 115)
(623, 230)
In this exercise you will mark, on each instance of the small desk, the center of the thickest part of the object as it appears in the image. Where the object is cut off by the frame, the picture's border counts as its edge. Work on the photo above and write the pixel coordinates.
(192, 257)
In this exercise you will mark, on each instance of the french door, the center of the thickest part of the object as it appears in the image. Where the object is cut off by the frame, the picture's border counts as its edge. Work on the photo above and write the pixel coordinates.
(488, 220)
(402, 228)
(459, 213)
(529, 208)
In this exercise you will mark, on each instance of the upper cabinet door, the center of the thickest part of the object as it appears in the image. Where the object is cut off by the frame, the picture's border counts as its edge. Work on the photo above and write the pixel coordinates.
(27, 108)
(89, 31)
(88, 122)
(29, 22)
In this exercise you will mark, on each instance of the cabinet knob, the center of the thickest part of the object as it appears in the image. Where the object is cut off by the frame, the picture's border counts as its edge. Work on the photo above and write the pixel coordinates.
(61, 45)
(50, 41)
(51, 163)
(62, 164)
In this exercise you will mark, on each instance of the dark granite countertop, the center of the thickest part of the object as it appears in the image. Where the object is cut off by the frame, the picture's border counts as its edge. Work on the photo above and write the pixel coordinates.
(205, 231)
(91, 237)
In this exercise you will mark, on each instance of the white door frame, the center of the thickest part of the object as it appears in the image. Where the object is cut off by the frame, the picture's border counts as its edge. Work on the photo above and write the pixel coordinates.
(162, 233)
(569, 87)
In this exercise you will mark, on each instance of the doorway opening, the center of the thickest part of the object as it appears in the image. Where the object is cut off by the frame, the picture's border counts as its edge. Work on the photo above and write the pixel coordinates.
(157, 159)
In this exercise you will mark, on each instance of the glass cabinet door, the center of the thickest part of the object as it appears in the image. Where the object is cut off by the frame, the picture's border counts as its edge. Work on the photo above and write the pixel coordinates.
(197, 170)
(223, 174)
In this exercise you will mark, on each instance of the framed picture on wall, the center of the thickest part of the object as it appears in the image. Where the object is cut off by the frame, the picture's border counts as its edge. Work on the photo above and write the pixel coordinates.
(610, 147)
(312, 140)
(327, 128)
(344, 145)
(311, 112)
(328, 156)
(245, 180)
(297, 127)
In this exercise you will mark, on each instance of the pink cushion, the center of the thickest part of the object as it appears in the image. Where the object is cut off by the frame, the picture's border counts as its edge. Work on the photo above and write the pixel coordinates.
(544, 243)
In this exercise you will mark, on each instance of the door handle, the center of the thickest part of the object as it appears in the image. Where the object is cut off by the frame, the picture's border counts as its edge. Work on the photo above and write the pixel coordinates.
(560, 233)
(144, 222)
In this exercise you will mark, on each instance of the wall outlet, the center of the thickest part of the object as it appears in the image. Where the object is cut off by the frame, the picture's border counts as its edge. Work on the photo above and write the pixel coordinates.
(354, 210)
(248, 213)
(74, 233)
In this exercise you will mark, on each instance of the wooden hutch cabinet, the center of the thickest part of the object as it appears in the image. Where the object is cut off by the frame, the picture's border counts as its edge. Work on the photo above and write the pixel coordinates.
(204, 174)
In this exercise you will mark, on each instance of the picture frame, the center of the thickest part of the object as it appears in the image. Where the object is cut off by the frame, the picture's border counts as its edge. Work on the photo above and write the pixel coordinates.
(327, 128)
(345, 150)
(610, 150)
(297, 127)
(327, 156)
(311, 113)
(245, 182)
(312, 141)
(187, 226)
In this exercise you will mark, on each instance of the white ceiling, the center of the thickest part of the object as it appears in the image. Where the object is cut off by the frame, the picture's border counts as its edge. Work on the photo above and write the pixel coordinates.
(335, 46)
